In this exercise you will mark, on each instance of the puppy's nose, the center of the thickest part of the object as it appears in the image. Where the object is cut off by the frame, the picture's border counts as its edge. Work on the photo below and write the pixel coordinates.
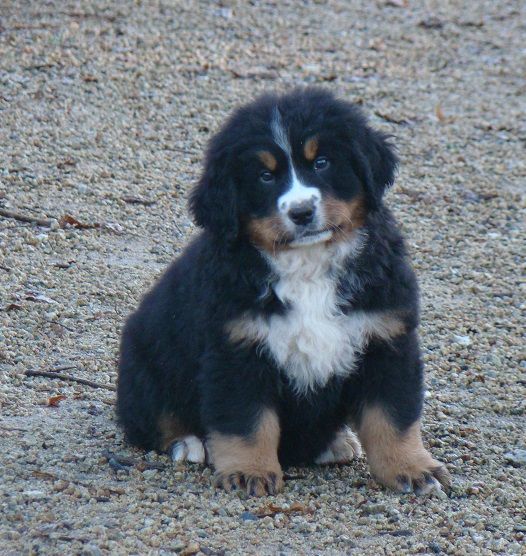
(302, 213)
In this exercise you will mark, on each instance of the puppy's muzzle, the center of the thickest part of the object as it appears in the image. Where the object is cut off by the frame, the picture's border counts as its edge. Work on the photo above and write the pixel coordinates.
(302, 213)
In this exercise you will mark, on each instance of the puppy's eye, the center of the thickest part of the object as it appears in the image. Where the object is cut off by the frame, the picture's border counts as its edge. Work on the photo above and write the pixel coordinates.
(321, 163)
(266, 176)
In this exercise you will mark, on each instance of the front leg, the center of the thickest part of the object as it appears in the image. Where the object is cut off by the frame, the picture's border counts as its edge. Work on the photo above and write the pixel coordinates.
(389, 420)
(249, 462)
(243, 429)
(397, 457)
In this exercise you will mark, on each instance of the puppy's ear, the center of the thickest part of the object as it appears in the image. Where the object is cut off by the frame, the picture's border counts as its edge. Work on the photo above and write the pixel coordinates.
(381, 162)
(213, 201)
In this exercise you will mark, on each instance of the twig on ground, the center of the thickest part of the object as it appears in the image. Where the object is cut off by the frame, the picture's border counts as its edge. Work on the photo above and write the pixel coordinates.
(61, 376)
(181, 150)
(12, 429)
(46, 476)
(58, 369)
(65, 327)
(392, 119)
(132, 200)
(127, 461)
(25, 217)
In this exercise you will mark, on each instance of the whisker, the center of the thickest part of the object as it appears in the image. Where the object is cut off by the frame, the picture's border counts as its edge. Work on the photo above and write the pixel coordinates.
(345, 217)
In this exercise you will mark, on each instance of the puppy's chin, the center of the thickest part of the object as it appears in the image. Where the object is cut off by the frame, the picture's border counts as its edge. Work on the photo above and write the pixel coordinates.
(311, 238)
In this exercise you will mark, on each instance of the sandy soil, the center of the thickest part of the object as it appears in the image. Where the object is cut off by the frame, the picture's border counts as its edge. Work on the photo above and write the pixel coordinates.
(105, 107)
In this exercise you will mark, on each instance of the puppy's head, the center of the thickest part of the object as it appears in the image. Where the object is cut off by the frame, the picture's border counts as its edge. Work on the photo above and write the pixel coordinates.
(292, 171)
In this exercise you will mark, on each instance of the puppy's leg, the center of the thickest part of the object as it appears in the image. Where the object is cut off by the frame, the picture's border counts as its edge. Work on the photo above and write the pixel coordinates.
(249, 462)
(389, 419)
(344, 448)
(397, 458)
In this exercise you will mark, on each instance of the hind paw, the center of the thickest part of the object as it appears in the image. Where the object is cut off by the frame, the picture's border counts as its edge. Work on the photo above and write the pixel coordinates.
(189, 448)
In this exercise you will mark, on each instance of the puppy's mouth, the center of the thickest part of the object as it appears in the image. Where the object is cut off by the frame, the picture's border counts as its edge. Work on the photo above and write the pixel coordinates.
(311, 237)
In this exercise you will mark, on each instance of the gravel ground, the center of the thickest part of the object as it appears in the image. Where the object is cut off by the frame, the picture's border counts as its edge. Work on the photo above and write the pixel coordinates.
(105, 107)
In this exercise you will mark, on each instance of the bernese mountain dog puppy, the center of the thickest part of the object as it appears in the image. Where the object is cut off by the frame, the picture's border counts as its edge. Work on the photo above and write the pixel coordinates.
(285, 334)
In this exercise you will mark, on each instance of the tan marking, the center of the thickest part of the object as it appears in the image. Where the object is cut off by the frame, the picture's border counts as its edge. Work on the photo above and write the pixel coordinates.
(170, 429)
(250, 463)
(268, 233)
(268, 159)
(248, 330)
(243, 330)
(344, 216)
(392, 455)
(389, 325)
(311, 148)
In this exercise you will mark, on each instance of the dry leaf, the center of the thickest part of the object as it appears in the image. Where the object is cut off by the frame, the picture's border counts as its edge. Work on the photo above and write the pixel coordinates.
(65, 264)
(68, 220)
(54, 401)
(44, 475)
(440, 114)
(66, 162)
(271, 510)
(431, 22)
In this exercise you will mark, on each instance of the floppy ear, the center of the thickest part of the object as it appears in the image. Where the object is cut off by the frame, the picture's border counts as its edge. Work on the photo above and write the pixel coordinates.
(381, 163)
(213, 201)
(377, 164)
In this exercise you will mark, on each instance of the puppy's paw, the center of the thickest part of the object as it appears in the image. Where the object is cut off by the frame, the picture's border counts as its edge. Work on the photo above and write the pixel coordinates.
(344, 448)
(421, 475)
(253, 483)
(397, 458)
(189, 448)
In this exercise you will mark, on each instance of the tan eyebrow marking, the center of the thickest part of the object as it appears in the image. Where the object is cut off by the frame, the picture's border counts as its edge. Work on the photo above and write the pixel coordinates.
(268, 160)
(311, 148)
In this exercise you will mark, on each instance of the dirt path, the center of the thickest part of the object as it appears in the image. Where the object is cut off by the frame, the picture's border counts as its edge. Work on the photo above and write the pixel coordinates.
(105, 107)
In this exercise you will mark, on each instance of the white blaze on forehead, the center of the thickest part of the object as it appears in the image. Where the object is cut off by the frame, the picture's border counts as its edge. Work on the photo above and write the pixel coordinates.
(297, 192)
(279, 133)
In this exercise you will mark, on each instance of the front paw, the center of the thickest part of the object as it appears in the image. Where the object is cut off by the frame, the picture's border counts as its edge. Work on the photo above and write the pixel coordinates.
(420, 475)
(397, 458)
(254, 483)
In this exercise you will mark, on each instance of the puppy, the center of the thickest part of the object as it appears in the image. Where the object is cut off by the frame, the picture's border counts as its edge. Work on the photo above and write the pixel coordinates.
(291, 317)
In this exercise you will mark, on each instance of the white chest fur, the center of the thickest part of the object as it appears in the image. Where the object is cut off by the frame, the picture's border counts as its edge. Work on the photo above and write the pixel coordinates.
(313, 340)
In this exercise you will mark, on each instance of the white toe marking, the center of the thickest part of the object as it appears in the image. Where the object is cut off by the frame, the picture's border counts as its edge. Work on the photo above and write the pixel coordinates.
(343, 448)
(179, 451)
(190, 448)
(430, 487)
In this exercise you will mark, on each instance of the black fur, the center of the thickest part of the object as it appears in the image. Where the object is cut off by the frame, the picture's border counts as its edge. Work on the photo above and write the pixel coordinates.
(175, 358)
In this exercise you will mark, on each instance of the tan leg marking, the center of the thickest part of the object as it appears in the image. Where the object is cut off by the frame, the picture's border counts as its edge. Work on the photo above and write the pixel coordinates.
(268, 159)
(311, 148)
(344, 448)
(397, 460)
(248, 463)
